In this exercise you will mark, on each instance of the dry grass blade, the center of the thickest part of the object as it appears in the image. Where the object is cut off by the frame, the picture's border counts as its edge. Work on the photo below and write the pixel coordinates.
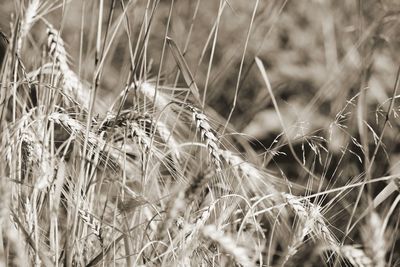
(261, 67)
(184, 68)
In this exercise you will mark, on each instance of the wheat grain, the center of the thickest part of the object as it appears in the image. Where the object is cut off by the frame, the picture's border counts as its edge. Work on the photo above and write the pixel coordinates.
(92, 222)
(208, 136)
(136, 131)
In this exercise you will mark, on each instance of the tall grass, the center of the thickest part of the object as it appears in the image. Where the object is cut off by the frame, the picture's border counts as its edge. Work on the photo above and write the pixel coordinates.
(114, 156)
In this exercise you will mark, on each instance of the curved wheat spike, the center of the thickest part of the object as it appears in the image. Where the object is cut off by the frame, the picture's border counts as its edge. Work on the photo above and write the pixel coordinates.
(192, 232)
(240, 254)
(310, 213)
(72, 83)
(373, 239)
(356, 256)
(168, 138)
(92, 222)
(36, 153)
(208, 136)
(28, 20)
(254, 180)
(149, 90)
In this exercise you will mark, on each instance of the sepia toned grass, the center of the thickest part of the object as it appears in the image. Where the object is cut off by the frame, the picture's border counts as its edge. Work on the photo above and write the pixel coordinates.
(125, 138)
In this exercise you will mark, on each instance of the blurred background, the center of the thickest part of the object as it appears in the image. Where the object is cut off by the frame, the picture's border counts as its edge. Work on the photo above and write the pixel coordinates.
(324, 59)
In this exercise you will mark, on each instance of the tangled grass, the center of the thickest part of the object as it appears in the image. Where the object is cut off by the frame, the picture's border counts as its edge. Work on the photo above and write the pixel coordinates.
(156, 177)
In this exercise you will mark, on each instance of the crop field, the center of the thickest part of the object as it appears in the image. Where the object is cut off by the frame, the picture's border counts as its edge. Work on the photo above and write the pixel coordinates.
(200, 133)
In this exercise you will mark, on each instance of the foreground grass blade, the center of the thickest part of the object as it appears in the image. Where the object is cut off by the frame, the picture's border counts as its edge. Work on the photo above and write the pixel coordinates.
(187, 75)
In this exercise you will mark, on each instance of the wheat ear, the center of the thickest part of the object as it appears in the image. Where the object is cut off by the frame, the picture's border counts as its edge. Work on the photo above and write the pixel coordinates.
(207, 136)
(228, 244)
(355, 256)
(28, 20)
(92, 222)
(309, 213)
(72, 84)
